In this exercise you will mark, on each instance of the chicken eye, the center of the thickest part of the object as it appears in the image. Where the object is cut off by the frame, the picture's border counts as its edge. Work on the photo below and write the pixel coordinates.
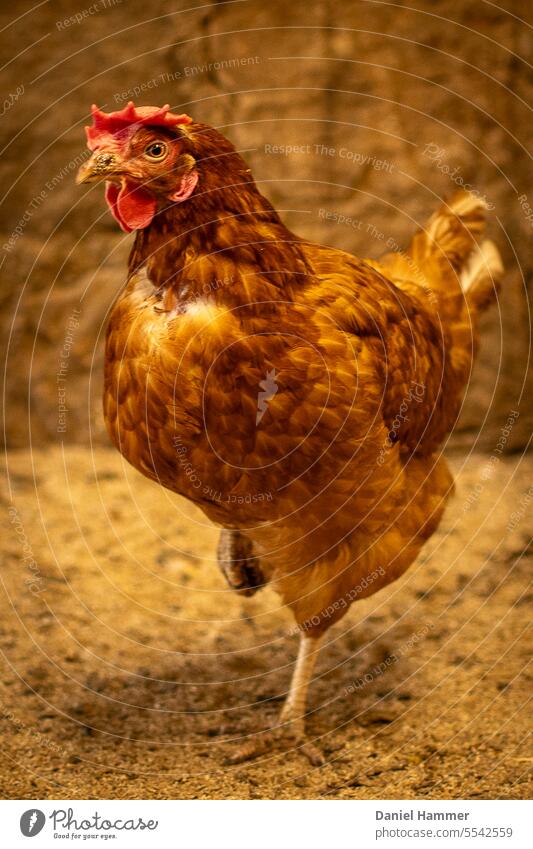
(156, 150)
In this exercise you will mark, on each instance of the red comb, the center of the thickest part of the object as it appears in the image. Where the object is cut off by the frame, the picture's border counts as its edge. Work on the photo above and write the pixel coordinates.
(106, 124)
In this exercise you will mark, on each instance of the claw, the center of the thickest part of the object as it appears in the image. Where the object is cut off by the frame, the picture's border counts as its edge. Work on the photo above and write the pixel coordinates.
(279, 738)
(313, 754)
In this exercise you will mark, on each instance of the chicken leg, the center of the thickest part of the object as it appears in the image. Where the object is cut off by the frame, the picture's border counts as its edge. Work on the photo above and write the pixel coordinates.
(291, 727)
(238, 563)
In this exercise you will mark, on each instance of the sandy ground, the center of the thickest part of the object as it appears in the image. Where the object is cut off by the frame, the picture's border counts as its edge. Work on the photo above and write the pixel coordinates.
(129, 669)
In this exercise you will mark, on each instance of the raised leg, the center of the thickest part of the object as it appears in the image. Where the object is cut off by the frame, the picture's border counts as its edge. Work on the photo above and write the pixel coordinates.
(238, 563)
(291, 727)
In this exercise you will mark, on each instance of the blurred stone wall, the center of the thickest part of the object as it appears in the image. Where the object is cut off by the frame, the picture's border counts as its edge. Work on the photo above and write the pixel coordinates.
(389, 109)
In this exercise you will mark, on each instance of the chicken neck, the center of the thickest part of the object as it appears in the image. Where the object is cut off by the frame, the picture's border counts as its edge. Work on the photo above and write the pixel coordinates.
(227, 245)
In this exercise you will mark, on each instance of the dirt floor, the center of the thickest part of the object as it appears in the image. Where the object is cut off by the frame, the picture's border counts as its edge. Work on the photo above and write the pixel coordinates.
(129, 669)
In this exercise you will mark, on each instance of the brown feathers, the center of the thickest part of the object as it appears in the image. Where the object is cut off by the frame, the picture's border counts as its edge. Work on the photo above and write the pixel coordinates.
(295, 393)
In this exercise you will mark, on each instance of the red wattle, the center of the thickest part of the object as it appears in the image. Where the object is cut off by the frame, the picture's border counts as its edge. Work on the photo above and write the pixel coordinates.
(132, 206)
(135, 207)
(111, 195)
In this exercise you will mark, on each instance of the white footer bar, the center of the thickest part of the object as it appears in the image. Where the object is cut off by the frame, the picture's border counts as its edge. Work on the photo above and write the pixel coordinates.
(266, 824)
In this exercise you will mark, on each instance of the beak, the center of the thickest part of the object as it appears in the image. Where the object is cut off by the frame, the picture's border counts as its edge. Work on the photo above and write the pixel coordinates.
(98, 167)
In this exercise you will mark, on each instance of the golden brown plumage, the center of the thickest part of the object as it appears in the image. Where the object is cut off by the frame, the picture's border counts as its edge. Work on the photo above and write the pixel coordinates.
(329, 482)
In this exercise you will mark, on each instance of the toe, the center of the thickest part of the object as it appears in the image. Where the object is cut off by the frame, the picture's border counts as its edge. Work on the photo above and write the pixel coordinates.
(313, 754)
(251, 749)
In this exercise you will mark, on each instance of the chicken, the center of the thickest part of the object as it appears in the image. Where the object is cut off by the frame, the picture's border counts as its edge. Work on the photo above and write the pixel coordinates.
(297, 394)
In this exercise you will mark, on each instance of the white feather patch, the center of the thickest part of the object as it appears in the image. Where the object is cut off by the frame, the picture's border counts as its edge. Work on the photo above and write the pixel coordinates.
(483, 264)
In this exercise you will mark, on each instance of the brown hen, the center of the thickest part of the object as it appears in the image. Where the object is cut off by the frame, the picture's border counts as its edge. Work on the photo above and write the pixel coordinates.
(297, 394)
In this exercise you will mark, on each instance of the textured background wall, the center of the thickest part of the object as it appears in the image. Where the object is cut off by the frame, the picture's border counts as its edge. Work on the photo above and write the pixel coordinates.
(390, 108)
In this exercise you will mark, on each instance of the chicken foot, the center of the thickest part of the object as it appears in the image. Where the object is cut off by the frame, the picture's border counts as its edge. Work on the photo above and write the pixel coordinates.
(291, 728)
(238, 563)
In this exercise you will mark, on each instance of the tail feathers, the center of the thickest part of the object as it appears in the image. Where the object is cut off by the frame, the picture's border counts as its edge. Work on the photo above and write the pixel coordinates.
(481, 275)
(450, 249)
(452, 231)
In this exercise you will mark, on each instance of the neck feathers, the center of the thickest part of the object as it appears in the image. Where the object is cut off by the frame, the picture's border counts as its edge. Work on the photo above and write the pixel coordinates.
(225, 242)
